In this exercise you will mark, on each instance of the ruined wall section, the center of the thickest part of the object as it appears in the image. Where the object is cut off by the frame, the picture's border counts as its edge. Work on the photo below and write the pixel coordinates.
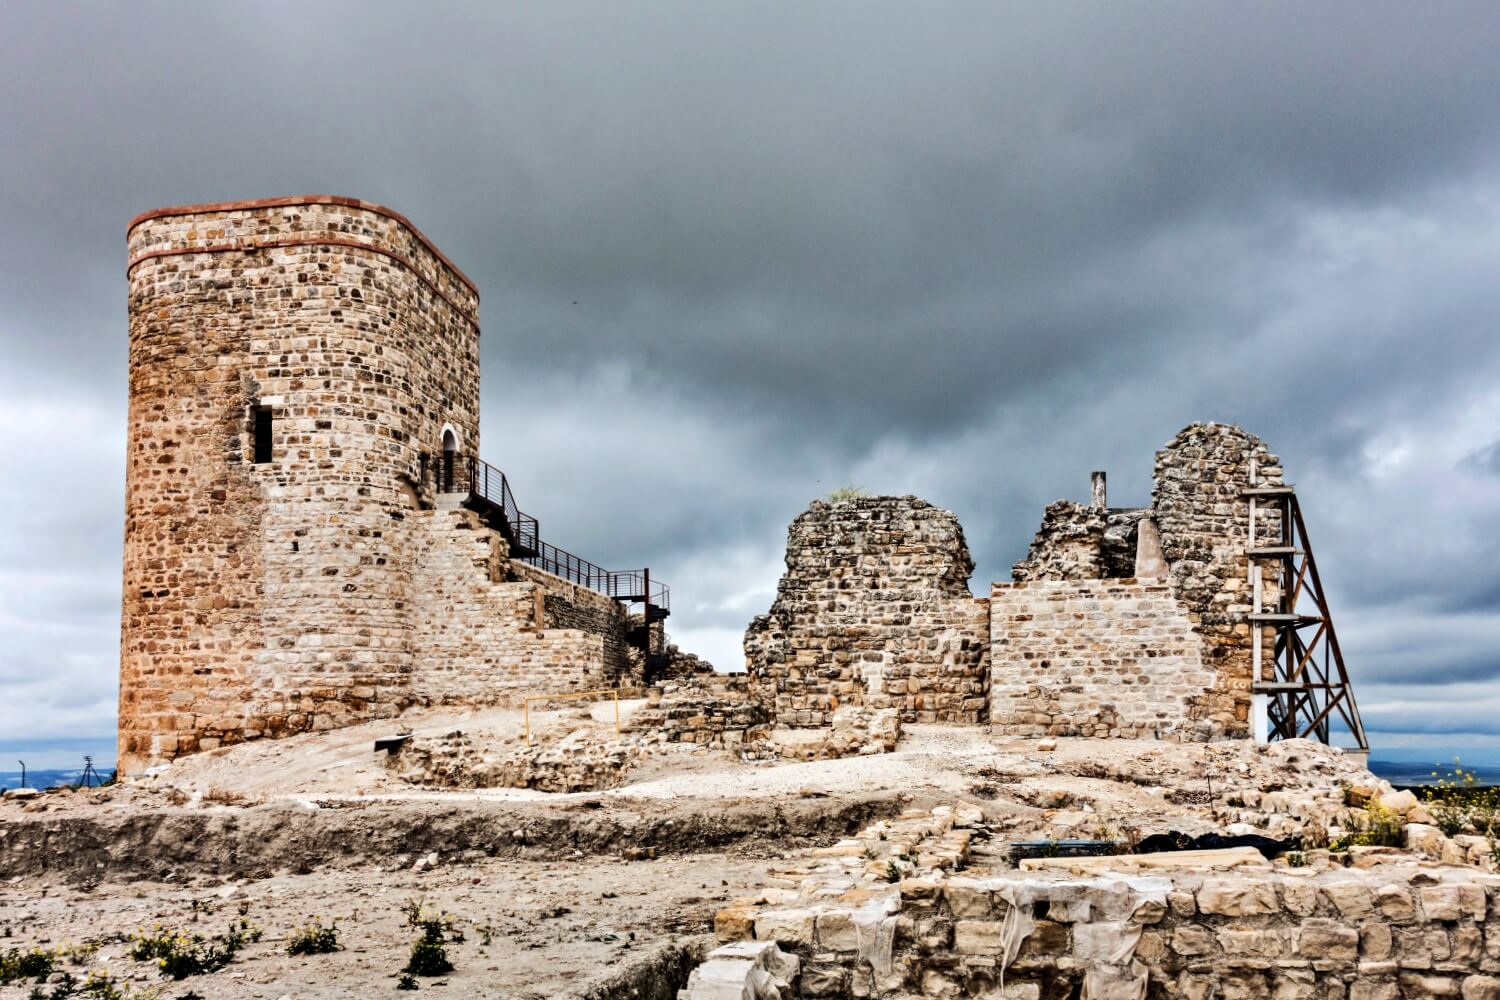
(570, 606)
(1204, 520)
(1068, 546)
(874, 609)
(1115, 658)
(1193, 538)
(485, 639)
(266, 598)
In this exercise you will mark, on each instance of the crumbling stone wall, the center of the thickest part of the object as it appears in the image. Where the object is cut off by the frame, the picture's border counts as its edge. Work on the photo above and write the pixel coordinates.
(1205, 521)
(874, 609)
(1094, 658)
(482, 638)
(1193, 537)
(263, 598)
(1068, 546)
(712, 710)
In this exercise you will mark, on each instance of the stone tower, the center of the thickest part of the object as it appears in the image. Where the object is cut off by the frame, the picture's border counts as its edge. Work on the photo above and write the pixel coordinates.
(296, 365)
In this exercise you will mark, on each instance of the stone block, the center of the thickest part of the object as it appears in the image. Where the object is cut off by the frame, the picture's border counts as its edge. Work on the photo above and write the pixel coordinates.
(835, 931)
(1328, 940)
(1353, 900)
(977, 937)
(1237, 897)
(1480, 988)
(791, 928)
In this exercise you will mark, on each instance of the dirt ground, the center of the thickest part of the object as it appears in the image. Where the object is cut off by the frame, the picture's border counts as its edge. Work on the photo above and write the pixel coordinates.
(530, 929)
(317, 825)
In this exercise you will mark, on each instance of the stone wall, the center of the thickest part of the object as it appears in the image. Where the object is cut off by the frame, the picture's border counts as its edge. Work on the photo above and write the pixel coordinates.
(262, 598)
(898, 911)
(1193, 537)
(1093, 658)
(712, 710)
(1205, 524)
(1355, 934)
(874, 609)
(482, 637)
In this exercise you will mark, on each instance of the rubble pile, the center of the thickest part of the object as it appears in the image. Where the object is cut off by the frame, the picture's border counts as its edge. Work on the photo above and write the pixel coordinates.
(714, 710)
(578, 762)
(853, 731)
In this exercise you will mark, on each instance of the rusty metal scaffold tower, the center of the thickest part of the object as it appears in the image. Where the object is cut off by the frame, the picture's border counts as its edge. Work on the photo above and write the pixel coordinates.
(1305, 685)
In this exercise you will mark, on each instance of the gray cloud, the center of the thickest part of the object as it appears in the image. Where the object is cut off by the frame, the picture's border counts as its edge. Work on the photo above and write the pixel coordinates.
(957, 250)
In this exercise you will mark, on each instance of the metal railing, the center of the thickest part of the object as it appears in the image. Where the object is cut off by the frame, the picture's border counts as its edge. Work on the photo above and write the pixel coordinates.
(488, 487)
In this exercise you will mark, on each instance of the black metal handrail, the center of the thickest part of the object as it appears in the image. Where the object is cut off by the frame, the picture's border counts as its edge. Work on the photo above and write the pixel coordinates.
(488, 485)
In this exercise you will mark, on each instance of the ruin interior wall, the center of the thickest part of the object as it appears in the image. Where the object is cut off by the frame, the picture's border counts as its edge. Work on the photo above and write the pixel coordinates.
(263, 598)
(1114, 658)
(874, 609)
(1192, 538)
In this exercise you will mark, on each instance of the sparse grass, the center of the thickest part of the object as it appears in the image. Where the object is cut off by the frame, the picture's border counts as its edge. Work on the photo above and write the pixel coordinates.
(850, 492)
(224, 797)
(315, 938)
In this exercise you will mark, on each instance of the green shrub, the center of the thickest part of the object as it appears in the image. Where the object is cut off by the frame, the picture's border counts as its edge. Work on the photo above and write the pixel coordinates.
(315, 939)
(180, 955)
(36, 963)
(429, 956)
(407, 982)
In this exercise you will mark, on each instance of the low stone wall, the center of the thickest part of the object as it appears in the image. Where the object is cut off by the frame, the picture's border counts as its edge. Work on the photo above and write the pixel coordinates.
(893, 913)
(576, 763)
(714, 710)
(1115, 658)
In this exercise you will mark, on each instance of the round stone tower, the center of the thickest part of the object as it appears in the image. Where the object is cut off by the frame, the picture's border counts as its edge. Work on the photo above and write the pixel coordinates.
(297, 367)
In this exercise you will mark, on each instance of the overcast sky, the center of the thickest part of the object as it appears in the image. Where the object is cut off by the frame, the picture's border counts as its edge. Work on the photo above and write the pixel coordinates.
(732, 256)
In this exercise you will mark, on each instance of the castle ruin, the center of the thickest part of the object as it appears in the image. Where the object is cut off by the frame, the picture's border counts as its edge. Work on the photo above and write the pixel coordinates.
(1177, 620)
(312, 540)
(311, 537)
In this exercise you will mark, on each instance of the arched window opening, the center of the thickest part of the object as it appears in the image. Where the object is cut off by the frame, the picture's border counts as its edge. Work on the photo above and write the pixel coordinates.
(450, 459)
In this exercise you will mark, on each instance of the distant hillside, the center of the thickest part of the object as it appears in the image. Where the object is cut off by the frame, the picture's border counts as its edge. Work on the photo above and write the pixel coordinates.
(1404, 772)
(47, 778)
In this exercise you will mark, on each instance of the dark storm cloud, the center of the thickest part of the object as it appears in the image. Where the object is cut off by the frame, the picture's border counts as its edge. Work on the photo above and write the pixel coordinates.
(960, 250)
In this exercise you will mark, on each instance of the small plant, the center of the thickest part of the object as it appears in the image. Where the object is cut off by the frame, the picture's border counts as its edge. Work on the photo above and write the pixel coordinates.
(37, 963)
(1378, 826)
(180, 955)
(429, 956)
(1449, 799)
(407, 982)
(850, 492)
(892, 872)
(224, 797)
(316, 938)
(1296, 859)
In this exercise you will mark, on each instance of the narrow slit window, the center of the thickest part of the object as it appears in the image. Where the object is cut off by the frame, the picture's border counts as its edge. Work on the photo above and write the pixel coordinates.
(262, 427)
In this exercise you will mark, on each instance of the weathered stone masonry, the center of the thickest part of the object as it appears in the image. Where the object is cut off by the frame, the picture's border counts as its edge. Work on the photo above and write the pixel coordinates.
(1128, 622)
(874, 609)
(1081, 646)
(317, 587)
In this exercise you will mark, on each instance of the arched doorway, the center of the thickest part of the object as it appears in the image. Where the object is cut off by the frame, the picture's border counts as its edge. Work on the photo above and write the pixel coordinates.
(450, 459)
